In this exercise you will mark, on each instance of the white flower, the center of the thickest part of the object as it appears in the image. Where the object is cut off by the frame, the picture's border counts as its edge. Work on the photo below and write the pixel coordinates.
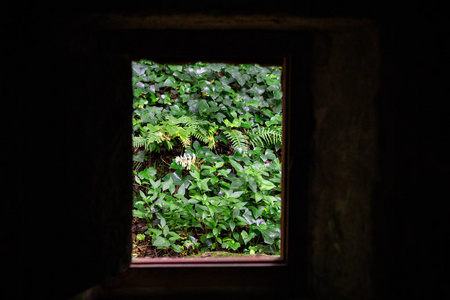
(186, 160)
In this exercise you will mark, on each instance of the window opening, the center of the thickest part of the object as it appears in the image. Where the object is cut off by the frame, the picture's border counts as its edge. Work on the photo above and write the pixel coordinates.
(207, 160)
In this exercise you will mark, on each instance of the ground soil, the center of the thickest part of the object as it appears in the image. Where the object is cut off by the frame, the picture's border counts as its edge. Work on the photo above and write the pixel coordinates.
(143, 248)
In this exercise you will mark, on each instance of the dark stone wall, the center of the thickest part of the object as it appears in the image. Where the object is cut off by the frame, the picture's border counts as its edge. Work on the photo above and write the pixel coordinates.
(377, 220)
(346, 83)
(410, 221)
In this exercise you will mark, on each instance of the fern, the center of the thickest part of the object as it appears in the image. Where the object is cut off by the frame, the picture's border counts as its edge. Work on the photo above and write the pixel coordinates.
(200, 129)
(238, 139)
(262, 136)
(149, 137)
(183, 129)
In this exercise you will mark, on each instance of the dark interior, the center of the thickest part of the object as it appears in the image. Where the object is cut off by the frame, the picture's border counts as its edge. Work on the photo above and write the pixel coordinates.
(371, 216)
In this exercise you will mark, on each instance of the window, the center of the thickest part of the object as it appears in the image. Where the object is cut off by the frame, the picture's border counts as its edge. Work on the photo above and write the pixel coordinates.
(292, 51)
(207, 141)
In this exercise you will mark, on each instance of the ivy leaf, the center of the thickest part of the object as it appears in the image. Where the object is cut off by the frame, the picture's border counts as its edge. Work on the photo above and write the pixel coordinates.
(219, 117)
(203, 106)
(147, 116)
(139, 157)
(224, 104)
(175, 67)
(193, 106)
(139, 69)
(257, 90)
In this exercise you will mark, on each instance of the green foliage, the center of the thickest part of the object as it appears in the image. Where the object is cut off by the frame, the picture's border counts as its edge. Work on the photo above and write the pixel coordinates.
(183, 129)
(237, 139)
(207, 171)
(262, 136)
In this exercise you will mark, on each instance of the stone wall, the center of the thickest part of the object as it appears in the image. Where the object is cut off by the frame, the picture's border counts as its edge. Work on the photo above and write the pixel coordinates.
(345, 87)
(377, 219)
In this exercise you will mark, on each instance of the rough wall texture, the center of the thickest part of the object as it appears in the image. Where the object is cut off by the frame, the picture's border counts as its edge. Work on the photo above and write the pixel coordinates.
(409, 236)
(344, 173)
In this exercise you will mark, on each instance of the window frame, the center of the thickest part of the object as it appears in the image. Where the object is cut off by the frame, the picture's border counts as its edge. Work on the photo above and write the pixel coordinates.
(292, 50)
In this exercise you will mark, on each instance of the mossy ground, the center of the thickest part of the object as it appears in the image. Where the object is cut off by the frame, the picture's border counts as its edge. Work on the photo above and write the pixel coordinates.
(223, 254)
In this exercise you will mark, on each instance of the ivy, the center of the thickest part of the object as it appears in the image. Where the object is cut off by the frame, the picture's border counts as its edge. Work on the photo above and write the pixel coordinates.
(207, 171)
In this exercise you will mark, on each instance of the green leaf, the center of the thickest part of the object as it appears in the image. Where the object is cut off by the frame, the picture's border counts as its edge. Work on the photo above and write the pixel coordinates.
(234, 245)
(216, 231)
(258, 196)
(266, 185)
(236, 166)
(170, 81)
(140, 237)
(167, 184)
(178, 68)
(236, 194)
(174, 236)
(195, 173)
(162, 222)
(241, 106)
(247, 237)
(181, 190)
(161, 242)
(139, 157)
(155, 184)
(203, 184)
(177, 248)
(219, 117)
(138, 214)
(241, 219)
(136, 178)
(236, 123)
(202, 106)
(269, 234)
(148, 173)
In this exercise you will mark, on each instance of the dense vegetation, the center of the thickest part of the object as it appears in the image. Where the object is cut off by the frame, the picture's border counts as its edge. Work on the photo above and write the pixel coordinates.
(206, 171)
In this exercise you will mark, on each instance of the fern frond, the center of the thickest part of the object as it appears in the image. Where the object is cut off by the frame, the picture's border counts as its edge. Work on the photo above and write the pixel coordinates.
(182, 128)
(238, 139)
(262, 136)
(141, 141)
(200, 129)
(188, 121)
